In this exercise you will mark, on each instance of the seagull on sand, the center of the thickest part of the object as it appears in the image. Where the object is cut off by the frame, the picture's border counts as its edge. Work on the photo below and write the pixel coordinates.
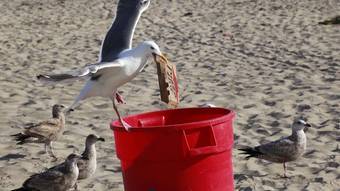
(61, 179)
(87, 164)
(104, 78)
(119, 36)
(283, 150)
(44, 132)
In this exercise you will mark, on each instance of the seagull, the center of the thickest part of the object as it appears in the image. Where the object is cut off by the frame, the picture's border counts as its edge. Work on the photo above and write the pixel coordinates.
(87, 164)
(119, 36)
(104, 78)
(61, 179)
(44, 132)
(283, 150)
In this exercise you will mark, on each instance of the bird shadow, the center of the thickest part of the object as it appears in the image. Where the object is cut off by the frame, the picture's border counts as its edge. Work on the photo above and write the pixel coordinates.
(12, 156)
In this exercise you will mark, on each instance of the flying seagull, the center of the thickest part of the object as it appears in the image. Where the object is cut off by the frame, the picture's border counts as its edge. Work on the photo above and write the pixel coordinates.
(62, 179)
(104, 78)
(44, 132)
(119, 36)
(283, 150)
(87, 164)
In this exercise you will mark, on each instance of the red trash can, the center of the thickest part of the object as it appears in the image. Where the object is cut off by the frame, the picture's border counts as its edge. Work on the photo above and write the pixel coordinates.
(188, 149)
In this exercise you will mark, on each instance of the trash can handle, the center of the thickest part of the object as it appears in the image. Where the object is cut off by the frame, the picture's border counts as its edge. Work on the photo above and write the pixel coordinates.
(205, 150)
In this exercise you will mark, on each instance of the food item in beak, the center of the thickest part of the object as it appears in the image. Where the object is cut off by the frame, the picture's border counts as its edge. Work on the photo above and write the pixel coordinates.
(160, 59)
(167, 79)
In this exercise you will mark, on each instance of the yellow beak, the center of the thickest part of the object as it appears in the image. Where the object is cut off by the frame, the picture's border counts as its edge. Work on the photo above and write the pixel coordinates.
(160, 59)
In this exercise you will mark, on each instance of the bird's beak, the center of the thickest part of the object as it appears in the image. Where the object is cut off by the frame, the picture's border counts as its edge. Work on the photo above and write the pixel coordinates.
(101, 139)
(160, 58)
(307, 126)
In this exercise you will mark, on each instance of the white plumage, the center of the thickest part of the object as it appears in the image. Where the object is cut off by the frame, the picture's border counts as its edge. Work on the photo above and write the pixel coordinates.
(103, 79)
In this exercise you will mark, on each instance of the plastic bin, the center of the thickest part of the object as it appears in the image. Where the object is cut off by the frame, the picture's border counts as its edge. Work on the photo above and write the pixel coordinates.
(188, 149)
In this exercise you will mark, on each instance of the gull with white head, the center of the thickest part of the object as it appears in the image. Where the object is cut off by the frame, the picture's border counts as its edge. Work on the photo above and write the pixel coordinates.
(283, 150)
(104, 78)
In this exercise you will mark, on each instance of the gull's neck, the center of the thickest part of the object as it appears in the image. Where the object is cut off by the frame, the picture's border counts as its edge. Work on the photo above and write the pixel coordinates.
(138, 55)
(59, 115)
(71, 167)
(298, 136)
(90, 151)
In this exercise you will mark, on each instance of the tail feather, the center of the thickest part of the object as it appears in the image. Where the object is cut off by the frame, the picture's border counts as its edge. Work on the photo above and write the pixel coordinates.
(251, 152)
(20, 138)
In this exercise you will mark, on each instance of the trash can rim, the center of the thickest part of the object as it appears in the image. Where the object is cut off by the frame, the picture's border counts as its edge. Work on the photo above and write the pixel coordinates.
(229, 116)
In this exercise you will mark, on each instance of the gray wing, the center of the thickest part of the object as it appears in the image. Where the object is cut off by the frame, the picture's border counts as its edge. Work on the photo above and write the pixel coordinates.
(119, 36)
(280, 148)
(45, 180)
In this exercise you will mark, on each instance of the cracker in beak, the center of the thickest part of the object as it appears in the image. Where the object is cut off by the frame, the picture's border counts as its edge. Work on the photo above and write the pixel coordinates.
(160, 59)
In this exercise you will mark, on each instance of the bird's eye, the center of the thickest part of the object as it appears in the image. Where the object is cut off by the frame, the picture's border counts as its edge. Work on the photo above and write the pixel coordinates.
(301, 122)
(152, 48)
(143, 2)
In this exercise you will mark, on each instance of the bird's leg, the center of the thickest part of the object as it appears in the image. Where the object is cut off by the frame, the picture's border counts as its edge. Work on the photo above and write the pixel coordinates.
(46, 145)
(75, 186)
(51, 153)
(120, 99)
(124, 124)
(285, 172)
(80, 97)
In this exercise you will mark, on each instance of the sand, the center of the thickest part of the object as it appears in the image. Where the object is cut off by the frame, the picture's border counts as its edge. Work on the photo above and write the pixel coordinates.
(279, 64)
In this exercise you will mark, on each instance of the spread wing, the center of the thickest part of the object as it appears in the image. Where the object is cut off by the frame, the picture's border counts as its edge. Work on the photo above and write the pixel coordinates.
(119, 36)
(83, 73)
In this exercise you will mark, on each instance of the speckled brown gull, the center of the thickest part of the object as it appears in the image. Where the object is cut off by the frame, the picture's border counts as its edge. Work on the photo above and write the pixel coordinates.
(61, 179)
(44, 132)
(283, 150)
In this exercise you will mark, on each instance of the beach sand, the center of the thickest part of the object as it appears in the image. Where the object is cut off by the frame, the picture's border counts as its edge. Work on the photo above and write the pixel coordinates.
(269, 61)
